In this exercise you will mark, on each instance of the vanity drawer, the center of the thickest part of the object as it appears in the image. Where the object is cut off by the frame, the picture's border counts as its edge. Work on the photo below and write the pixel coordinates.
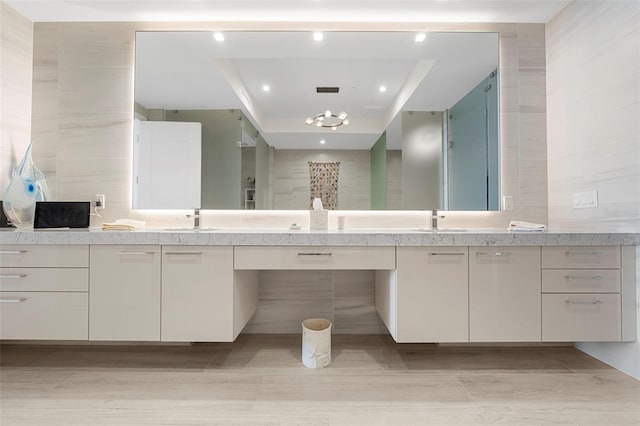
(581, 318)
(314, 258)
(44, 279)
(581, 257)
(581, 281)
(44, 315)
(44, 256)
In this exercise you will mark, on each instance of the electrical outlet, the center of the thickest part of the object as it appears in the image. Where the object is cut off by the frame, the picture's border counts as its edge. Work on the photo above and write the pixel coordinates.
(507, 202)
(100, 201)
(585, 200)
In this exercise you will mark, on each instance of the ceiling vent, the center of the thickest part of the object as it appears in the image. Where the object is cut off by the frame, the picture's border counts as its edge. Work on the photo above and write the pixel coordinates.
(327, 89)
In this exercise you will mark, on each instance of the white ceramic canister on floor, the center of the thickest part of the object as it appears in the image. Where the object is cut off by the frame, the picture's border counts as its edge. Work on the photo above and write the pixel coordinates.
(316, 342)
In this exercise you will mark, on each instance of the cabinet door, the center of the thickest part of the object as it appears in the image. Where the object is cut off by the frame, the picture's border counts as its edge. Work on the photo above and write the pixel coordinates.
(197, 294)
(504, 294)
(124, 295)
(432, 294)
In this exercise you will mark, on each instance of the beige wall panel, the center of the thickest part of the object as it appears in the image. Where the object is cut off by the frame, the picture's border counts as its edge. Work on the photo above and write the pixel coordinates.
(16, 47)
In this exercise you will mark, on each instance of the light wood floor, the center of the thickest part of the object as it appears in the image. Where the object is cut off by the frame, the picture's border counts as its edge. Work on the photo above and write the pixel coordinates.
(259, 380)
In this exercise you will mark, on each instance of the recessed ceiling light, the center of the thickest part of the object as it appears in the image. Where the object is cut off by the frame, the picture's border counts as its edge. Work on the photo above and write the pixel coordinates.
(383, 88)
(322, 142)
(420, 37)
(318, 36)
(218, 36)
(265, 88)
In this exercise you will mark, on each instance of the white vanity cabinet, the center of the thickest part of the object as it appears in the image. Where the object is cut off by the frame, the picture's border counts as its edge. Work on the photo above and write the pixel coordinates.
(44, 292)
(197, 294)
(207, 292)
(124, 292)
(504, 294)
(432, 294)
(581, 298)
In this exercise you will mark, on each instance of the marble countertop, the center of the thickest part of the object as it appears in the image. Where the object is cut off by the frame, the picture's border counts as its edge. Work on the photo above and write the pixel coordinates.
(347, 237)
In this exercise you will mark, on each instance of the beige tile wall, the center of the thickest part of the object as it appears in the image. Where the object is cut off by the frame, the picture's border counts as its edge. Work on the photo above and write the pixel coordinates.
(394, 179)
(16, 56)
(593, 99)
(82, 121)
(292, 182)
(286, 298)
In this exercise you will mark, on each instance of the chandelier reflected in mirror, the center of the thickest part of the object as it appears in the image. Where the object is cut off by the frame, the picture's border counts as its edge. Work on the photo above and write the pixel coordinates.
(328, 120)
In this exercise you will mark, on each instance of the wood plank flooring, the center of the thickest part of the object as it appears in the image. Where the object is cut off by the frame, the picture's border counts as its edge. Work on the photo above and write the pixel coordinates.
(259, 380)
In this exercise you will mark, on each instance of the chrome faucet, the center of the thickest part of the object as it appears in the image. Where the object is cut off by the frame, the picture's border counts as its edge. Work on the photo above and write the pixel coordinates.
(196, 218)
(434, 219)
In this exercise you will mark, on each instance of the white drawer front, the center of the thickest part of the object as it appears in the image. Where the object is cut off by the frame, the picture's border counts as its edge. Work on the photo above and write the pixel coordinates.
(581, 318)
(581, 257)
(43, 256)
(44, 316)
(314, 258)
(44, 279)
(580, 281)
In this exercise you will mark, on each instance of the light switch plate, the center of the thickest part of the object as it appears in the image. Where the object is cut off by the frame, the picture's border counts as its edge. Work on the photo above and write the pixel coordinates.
(100, 200)
(507, 202)
(585, 200)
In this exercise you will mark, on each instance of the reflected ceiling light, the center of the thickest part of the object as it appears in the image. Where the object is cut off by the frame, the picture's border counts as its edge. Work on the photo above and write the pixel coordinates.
(265, 88)
(420, 37)
(328, 119)
(322, 142)
(383, 88)
(318, 36)
(218, 36)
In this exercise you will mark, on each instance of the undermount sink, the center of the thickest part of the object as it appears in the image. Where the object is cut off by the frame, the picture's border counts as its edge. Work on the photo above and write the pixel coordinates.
(441, 230)
(187, 229)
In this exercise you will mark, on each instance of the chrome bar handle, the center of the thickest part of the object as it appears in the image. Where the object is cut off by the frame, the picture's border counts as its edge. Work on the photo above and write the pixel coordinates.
(314, 254)
(494, 253)
(136, 253)
(12, 299)
(583, 302)
(12, 276)
(583, 253)
(13, 251)
(446, 254)
(578, 278)
(183, 253)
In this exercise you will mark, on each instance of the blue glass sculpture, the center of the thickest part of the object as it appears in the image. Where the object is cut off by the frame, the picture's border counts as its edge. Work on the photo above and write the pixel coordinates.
(27, 185)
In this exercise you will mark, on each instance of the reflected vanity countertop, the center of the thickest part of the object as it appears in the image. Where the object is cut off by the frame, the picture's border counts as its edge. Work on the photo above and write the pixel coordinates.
(346, 237)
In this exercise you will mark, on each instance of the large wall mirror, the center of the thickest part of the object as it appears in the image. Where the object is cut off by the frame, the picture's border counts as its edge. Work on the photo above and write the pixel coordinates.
(271, 120)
